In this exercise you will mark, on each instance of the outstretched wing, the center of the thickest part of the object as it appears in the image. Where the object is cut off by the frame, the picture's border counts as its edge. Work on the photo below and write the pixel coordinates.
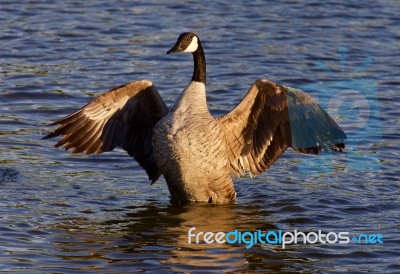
(272, 118)
(124, 116)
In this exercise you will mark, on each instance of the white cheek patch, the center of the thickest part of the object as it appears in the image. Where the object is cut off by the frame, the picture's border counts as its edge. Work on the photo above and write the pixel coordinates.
(192, 46)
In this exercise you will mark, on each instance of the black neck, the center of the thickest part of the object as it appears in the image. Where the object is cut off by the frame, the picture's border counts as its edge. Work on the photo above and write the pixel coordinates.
(199, 72)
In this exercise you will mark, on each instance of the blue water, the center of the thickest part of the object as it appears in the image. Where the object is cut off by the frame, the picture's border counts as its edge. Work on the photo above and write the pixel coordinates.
(63, 213)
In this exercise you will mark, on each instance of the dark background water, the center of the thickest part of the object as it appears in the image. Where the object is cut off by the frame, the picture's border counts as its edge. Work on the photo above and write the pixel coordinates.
(63, 213)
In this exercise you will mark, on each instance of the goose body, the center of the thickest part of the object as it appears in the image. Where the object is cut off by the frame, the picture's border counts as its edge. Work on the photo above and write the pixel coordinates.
(195, 152)
(187, 142)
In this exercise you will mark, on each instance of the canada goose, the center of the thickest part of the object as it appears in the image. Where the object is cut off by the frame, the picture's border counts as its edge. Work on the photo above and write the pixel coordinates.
(197, 153)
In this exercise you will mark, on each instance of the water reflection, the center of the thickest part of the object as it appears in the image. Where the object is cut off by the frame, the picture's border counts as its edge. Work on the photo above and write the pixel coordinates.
(156, 237)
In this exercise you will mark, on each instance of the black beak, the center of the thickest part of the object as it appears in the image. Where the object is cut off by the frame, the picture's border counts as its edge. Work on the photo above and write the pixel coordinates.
(175, 49)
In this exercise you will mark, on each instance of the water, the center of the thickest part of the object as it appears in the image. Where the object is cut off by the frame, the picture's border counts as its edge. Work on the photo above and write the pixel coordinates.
(63, 213)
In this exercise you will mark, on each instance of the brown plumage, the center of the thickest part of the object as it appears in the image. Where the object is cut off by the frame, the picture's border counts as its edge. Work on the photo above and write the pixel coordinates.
(197, 153)
(124, 116)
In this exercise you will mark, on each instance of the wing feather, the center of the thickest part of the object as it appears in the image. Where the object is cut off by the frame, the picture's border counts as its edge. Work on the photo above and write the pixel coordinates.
(311, 126)
(124, 116)
(271, 118)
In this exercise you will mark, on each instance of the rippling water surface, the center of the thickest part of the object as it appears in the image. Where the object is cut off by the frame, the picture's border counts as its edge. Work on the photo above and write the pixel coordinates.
(62, 213)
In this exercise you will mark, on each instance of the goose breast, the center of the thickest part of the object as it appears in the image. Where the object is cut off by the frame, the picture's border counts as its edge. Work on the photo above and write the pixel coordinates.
(190, 149)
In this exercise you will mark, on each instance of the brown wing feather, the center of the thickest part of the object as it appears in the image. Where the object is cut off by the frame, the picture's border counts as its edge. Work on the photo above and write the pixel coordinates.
(257, 130)
(124, 116)
(272, 118)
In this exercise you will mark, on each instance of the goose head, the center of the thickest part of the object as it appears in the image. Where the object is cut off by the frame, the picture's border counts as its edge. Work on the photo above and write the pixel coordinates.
(187, 42)
(190, 42)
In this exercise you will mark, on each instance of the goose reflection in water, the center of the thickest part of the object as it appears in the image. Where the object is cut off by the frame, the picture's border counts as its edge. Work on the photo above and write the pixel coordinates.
(153, 237)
